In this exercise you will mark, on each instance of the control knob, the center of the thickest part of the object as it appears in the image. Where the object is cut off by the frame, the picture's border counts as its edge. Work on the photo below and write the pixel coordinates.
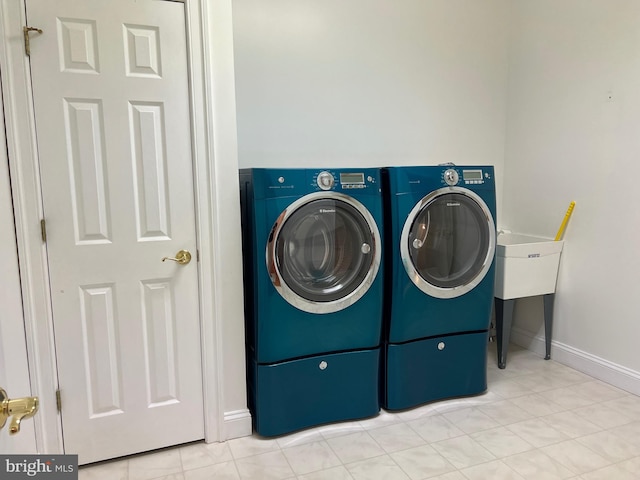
(451, 177)
(325, 180)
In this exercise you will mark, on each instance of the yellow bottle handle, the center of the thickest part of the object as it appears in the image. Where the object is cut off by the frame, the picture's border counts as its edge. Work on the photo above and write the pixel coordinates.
(563, 225)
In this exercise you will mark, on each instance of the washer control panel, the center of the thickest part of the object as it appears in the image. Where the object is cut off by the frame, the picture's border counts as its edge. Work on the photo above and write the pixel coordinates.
(470, 176)
(474, 177)
(344, 180)
(325, 180)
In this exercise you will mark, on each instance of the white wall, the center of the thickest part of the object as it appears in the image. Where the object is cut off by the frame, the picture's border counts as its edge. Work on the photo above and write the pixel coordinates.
(370, 83)
(573, 134)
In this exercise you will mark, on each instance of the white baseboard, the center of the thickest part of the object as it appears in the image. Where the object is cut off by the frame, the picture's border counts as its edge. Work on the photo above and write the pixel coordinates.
(237, 424)
(609, 372)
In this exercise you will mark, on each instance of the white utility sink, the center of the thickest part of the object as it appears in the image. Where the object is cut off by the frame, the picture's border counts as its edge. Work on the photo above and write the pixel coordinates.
(526, 265)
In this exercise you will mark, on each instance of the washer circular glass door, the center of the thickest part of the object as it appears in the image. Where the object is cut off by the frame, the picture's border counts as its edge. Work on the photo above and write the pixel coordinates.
(323, 252)
(448, 242)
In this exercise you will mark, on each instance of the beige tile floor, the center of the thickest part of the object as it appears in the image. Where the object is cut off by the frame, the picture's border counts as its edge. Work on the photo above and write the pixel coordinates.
(538, 420)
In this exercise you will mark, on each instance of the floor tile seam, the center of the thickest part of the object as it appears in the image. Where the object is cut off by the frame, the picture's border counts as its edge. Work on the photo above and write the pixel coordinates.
(186, 469)
(481, 430)
(463, 434)
(430, 442)
(526, 394)
(618, 464)
(635, 416)
(580, 396)
(611, 430)
(424, 443)
(586, 418)
(626, 395)
(235, 457)
(346, 465)
(407, 473)
(560, 408)
(615, 435)
(378, 427)
(609, 462)
(384, 452)
(504, 422)
(548, 422)
(235, 465)
(375, 441)
(637, 457)
(533, 447)
(546, 445)
(530, 373)
(231, 460)
(570, 468)
(402, 449)
(541, 390)
(542, 452)
(295, 474)
(461, 470)
(507, 423)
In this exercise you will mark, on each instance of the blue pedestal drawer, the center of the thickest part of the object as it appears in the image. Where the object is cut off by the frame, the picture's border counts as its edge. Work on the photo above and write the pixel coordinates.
(292, 395)
(434, 369)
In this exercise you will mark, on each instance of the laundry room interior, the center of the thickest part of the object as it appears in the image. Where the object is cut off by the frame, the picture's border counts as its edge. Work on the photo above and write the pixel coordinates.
(543, 91)
(540, 96)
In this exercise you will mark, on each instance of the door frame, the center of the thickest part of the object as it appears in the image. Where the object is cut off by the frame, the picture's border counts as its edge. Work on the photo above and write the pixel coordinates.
(14, 370)
(214, 145)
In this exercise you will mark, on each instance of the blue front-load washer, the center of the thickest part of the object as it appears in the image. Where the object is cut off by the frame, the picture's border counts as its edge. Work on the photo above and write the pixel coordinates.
(441, 242)
(313, 295)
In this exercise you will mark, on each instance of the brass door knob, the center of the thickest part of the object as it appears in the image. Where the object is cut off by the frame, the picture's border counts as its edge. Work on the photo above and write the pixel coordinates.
(182, 257)
(18, 409)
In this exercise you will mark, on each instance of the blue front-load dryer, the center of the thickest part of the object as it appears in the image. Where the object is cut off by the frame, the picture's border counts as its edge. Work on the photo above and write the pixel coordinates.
(313, 295)
(441, 242)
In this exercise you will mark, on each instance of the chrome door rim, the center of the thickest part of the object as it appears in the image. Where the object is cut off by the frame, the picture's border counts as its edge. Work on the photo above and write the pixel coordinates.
(280, 284)
(414, 275)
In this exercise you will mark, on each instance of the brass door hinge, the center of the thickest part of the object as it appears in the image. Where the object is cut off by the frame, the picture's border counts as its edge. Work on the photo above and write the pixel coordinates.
(43, 230)
(58, 401)
(25, 32)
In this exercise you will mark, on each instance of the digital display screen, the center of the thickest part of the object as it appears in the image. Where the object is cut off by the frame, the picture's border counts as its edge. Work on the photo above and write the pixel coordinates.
(351, 178)
(472, 174)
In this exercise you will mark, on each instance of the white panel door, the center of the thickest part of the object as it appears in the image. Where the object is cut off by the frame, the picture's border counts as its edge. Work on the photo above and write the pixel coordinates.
(110, 86)
(14, 370)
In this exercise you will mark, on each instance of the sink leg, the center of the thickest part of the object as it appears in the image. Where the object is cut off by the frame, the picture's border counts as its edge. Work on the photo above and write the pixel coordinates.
(548, 323)
(504, 318)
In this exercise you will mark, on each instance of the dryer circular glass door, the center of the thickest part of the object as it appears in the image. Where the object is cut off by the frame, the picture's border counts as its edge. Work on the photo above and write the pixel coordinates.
(323, 252)
(448, 242)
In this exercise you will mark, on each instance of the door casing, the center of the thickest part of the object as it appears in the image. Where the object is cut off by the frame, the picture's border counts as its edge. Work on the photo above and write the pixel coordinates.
(210, 58)
(14, 371)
